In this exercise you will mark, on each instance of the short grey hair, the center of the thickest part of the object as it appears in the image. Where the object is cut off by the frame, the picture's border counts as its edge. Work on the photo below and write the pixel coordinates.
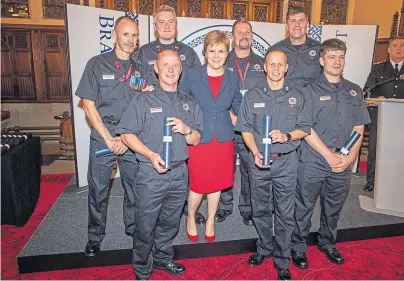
(164, 8)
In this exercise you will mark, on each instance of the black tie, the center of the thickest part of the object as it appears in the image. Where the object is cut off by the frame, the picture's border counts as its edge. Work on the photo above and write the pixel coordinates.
(396, 67)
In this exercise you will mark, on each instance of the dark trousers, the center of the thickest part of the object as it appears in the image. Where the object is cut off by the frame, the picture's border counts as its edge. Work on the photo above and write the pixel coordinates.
(159, 199)
(226, 197)
(371, 164)
(317, 180)
(99, 178)
(278, 182)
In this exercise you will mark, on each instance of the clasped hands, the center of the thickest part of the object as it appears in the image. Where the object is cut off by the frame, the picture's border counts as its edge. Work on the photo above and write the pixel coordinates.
(116, 145)
(339, 163)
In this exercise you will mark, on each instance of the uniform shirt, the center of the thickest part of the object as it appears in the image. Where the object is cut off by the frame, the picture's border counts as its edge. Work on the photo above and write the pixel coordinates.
(100, 83)
(381, 72)
(287, 108)
(337, 108)
(255, 73)
(148, 53)
(145, 119)
(304, 66)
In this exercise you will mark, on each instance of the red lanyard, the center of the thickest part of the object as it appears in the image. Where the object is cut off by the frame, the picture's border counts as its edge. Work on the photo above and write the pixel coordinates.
(124, 76)
(242, 77)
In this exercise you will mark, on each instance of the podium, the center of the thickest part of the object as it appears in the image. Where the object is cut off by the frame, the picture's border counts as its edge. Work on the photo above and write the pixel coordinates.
(389, 174)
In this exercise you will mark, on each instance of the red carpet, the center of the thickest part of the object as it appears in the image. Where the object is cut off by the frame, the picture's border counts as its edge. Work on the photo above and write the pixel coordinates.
(363, 166)
(368, 259)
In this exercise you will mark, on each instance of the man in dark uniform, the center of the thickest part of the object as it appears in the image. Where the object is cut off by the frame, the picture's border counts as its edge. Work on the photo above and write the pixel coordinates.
(160, 193)
(390, 69)
(302, 51)
(338, 110)
(250, 68)
(165, 25)
(106, 89)
(291, 121)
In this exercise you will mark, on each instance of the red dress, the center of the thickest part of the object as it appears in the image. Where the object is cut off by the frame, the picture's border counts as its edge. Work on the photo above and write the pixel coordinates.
(211, 165)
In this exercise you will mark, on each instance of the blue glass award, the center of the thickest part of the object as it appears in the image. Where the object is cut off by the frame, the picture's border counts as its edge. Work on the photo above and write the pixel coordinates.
(167, 144)
(266, 141)
(350, 143)
(103, 152)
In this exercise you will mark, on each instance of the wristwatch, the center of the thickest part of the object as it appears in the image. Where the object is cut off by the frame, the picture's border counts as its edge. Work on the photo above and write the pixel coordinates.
(288, 136)
(189, 132)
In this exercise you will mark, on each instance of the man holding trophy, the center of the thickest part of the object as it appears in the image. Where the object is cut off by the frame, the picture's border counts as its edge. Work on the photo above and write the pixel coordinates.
(287, 112)
(162, 182)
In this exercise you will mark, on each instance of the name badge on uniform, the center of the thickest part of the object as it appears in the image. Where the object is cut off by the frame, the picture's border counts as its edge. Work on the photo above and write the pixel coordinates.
(108, 77)
(156, 109)
(259, 104)
(152, 62)
(325, 98)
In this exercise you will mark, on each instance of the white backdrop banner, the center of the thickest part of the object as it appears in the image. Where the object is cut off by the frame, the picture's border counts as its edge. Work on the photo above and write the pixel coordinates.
(89, 30)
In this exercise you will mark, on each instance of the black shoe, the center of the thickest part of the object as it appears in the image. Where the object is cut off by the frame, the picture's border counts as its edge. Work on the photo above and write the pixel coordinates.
(299, 259)
(173, 268)
(368, 187)
(256, 259)
(333, 255)
(92, 248)
(247, 219)
(199, 218)
(284, 274)
(140, 278)
(221, 215)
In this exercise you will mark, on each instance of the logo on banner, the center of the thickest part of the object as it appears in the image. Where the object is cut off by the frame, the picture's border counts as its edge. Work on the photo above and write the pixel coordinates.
(315, 32)
(133, 16)
(196, 38)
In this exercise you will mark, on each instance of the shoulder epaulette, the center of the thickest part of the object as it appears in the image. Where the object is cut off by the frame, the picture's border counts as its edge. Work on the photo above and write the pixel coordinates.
(380, 62)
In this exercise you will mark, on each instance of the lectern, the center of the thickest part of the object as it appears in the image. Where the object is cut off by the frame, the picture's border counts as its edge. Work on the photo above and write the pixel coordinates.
(389, 177)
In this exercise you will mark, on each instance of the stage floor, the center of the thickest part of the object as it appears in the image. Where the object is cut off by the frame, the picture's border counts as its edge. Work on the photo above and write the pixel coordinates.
(59, 241)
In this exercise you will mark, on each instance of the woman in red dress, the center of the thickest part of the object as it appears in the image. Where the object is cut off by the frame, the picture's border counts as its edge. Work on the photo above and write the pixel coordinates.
(211, 162)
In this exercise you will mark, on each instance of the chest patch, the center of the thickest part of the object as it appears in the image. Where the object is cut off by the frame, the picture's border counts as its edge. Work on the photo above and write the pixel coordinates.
(185, 106)
(292, 101)
(156, 109)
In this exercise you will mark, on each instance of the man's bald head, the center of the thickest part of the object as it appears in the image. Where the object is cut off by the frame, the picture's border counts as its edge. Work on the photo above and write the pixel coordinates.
(125, 34)
(168, 68)
(276, 65)
(277, 53)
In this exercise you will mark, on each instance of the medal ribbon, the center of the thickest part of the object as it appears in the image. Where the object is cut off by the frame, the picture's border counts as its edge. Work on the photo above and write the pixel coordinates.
(124, 76)
(242, 77)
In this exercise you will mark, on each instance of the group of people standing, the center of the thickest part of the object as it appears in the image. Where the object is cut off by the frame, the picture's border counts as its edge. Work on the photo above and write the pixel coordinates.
(216, 111)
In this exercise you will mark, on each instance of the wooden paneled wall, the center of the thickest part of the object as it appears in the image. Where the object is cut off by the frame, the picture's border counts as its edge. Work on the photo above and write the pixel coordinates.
(34, 64)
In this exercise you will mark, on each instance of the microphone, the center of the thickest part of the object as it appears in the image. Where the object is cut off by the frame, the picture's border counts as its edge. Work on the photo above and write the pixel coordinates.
(266, 141)
(368, 90)
(350, 143)
(167, 144)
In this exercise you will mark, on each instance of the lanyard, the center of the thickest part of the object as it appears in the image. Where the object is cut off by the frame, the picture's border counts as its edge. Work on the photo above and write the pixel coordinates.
(242, 77)
(124, 76)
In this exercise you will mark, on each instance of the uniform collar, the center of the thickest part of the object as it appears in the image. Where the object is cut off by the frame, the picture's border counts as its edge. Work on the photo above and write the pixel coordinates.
(287, 86)
(112, 58)
(157, 45)
(161, 95)
(400, 64)
(233, 56)
(306, 45)
(343, 84)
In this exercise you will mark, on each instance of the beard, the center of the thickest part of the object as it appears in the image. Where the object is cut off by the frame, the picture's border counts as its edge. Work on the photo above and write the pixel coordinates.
(244, 44)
